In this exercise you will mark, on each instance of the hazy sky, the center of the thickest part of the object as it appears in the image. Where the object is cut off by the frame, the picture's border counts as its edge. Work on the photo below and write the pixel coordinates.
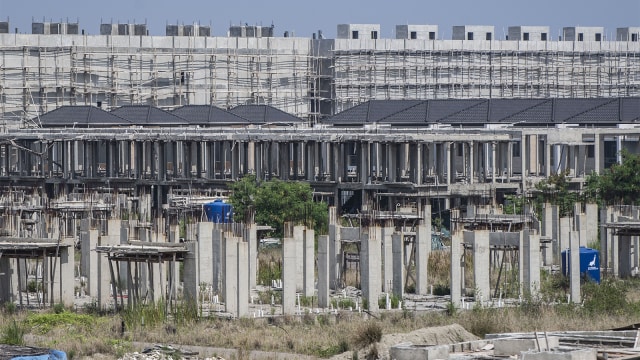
(305, 17)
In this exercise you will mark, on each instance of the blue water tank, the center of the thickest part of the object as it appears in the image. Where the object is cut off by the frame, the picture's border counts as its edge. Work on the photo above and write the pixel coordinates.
(219, 211)
(589, 264)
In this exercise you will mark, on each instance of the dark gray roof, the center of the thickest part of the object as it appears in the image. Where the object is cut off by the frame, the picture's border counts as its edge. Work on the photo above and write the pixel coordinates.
(473, 112)
(264, 114)
(80, 116)
(208, 115)
(148, 115)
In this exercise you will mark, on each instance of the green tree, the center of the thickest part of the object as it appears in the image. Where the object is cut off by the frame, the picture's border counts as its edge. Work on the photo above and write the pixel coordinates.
(619, 184)
(555, 190)
(277, 201)
(242, 196)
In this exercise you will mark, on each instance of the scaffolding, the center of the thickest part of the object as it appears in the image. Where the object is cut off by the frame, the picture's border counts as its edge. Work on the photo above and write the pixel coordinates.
(304, 77)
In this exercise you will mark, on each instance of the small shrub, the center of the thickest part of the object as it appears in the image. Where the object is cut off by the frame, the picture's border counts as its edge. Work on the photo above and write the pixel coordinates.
(10, 307)
(369, 333)
(393, 299)
(608, 297)
(13, 334)
(441, 290)
(58, 308)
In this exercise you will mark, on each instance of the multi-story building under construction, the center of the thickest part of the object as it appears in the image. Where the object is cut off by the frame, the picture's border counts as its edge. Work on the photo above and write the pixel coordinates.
(307, 77)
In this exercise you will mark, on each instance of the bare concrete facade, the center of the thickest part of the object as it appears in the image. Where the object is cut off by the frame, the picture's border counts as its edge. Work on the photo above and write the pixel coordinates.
(306, 77)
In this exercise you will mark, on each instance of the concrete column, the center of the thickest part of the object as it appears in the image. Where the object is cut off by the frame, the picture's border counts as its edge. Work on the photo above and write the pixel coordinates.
(289, 269)
(251, 158)
(565, 228)
(418, 165)
(472, 160)
(334, 247)
(493, 162)
(217, 258)
(7, 280)
(242, 265)
(252, 241)
(387, 256)
(309, 262)
(547, 160)
(89, 258)
(398, 264)
(623, 264)
(63, 292)
(599, 154)
(423, 248)
(531, 254)
(449, 170)
(231, 271)
(575, 267)
(533, 151)
(190, 275)
(370, 269)
(204, 234)
(591, 222)
(298, 235)
(456, 268)
(104, 292)
(481, 261)
(323, 271)
(546, 232)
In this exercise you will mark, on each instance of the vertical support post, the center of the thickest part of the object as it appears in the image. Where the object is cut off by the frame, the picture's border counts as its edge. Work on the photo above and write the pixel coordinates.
(323, 271)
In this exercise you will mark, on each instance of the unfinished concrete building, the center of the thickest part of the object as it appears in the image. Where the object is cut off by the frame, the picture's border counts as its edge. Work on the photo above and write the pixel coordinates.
(312, 79)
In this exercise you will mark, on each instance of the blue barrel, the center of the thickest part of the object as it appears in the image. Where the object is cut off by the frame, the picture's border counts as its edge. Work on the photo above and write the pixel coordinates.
(589, 264)
(219, 212)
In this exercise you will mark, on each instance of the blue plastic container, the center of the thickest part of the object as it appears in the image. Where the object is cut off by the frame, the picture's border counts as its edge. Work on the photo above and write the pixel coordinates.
(219, 212)
(589, 264)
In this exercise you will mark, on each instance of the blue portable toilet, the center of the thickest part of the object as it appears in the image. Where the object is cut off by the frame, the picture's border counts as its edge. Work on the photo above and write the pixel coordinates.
(219, 212)
(589, 263)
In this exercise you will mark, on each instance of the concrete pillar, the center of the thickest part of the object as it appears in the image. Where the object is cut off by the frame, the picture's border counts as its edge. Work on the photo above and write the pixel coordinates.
(204, 234)
(547, 221)
(309, 263)
(104, 291)
(493, 162)
(289, 269)
(423, 248)
(623, 264)
(370, 269)
(481, 261)
(591, 222)
(64, 284)
(456, 268)
(449, 170)
(398, 264)
(565, 228)
(89, 258)
(190, 274)
(334, 247)
(217, 257)
(575, 267)
(230, 270)
(242, 287)
(252, 241)
(472, 160)
(387, 256)
(531, 254)
(7, 280)
(298, 235)
(323, 271)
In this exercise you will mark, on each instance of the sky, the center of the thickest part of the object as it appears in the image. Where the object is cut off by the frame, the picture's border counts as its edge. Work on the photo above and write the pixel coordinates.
(303, 17)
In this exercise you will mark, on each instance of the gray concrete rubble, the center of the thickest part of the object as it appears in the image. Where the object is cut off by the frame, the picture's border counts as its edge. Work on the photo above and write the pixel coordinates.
(568, 345)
